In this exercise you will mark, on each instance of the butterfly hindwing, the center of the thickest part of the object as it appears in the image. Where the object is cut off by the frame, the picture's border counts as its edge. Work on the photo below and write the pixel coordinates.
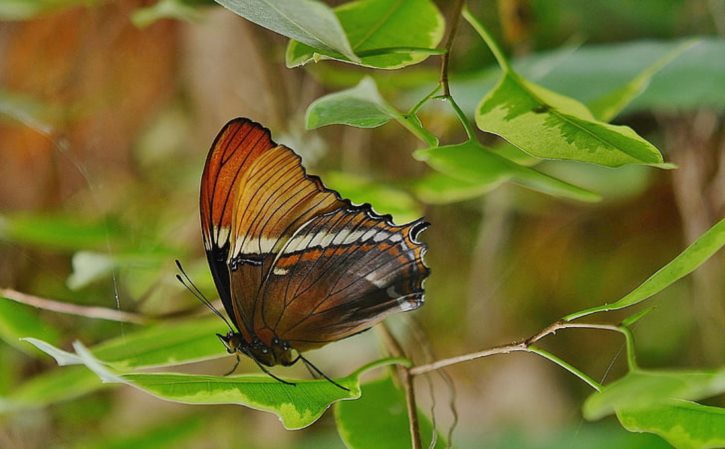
(340, 274)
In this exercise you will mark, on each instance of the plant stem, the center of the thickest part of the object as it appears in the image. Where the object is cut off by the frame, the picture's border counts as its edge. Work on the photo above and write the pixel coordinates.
(455, 19)
(519, 346)
(470, 131)
(481, 30)
(417, 130)
(567, 366)
(406, 377)
(73, 309)
(424, 100)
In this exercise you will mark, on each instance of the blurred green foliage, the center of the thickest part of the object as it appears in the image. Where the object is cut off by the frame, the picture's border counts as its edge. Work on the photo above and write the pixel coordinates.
(94, 212)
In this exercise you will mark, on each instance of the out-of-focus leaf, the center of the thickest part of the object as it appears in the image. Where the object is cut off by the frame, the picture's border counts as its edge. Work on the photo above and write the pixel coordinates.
(607, 107)
(164, 345)
(472, 163)
(166, 435)
(383, 34)
(437, 188)
(685, 263)
(311, 22)
(361, 106)
(186, 10)
(17, 321)
(644, 389)
(158, 345)
(387, 427)
(27, 9)
(684, 424)
(691, 81)
(297, 405)
(56, 232)
(551, 126)
(384, 198)
(51, 387)
(88, 267)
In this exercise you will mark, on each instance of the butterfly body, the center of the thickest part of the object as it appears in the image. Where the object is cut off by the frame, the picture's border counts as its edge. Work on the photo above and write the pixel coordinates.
(296, 266)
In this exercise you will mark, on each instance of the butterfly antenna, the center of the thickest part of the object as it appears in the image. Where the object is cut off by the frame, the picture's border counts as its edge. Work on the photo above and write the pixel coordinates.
(309, 365)
(189, 284)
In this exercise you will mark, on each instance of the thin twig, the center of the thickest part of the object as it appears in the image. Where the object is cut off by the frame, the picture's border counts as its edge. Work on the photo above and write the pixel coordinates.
(519, 346)
(74, 309)
(406, 378)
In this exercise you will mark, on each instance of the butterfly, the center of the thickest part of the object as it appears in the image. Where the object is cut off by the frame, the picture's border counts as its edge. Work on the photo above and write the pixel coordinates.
(297, 266)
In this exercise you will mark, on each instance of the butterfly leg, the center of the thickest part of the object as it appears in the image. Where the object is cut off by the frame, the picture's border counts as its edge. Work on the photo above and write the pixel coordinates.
(268, 372)
(310, 366)
(234, 368)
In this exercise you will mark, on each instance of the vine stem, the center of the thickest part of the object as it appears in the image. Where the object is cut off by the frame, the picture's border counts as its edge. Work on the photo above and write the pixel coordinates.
(527, 345)
(73, 309)
(490, 42)
(406, 378)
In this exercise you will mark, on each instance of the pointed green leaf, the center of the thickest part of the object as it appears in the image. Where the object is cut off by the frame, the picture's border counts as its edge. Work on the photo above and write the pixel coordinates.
(163, 344)
(685, 263)
(642, 389)
(383, 33)
(472, 163)
(387, 426)
(308, 21)
(684, 424)
(296, 405)
(361, 106)
(551, 126)
(607, 107)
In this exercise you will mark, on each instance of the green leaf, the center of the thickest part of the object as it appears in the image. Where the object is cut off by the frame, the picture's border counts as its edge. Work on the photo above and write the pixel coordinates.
(297, 405)
(18, 320)
(685, 263)
(437, 188)
(88, 267)
(165, 344)
(383, 33)
(387, 426)
(384, 198)
(607, 107)
(472, 163)
(310, 22)
(642, 389)
(361, 106)
(61, 384)
(684, 424)
(57, 232)
(550, 126)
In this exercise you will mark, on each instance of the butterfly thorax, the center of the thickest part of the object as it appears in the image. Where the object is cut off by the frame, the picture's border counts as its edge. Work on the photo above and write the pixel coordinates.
(275, 352)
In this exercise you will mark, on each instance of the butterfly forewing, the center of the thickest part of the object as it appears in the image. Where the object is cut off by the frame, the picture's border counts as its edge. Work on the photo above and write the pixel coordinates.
(234, 150)
(274, 199)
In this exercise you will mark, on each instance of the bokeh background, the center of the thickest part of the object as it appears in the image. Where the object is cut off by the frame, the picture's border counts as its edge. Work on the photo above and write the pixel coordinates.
(106, 116)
